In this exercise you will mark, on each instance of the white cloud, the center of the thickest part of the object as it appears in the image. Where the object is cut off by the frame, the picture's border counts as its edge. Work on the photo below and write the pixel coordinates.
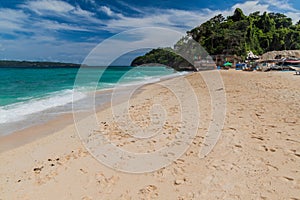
(135, 39)
(295, 16)
(284, 5)
(183, 20)
(12, 15)
(54, 25)
(12, 20)
(251, 6)
(43, 48)
(93, 2)
(280, 4)
(133, 8)
(109, 12)
(106, 10)
(2, 48)
(58, 8)
(170, 18)
(49, 5)
(80, 12)
(43, 40)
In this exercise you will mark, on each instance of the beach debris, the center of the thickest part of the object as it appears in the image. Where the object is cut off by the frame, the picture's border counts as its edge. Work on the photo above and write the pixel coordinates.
(273, 150)
(290, 120)
(258, 138)
(86, 198)
(38, 169)
(83, 171)
(266, 149)
(179, 182)
(288, 178)
(231, 128)
(238, 146)
(272, 166)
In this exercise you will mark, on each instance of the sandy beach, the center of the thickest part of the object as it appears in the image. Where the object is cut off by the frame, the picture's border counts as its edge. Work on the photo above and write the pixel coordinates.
(256, 157)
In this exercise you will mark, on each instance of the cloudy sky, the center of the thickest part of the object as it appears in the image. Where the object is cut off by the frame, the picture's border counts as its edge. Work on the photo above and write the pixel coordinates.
(67, 30)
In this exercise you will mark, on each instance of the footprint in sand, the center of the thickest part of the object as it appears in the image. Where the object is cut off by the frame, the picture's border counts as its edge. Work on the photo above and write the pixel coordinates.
(149, 192)
(105, 183)
(288, 178)
(125, 196)
(86, 198)
(180, 181)
(50, 168)
(238, 146)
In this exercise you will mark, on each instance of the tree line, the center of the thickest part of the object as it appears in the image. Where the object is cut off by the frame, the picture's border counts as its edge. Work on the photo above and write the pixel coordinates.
(235, 35)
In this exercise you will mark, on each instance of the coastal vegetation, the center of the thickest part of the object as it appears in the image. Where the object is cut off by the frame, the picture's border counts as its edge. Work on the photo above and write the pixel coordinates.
(234, 35)
(164, 56)
(23, 64)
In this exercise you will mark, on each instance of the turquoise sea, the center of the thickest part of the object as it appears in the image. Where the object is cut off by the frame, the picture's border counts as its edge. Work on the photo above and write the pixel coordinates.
(30, 96)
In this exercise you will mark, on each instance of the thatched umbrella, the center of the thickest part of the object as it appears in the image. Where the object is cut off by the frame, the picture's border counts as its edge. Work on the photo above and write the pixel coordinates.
(228, 64)
(252, 56)
(281, 54)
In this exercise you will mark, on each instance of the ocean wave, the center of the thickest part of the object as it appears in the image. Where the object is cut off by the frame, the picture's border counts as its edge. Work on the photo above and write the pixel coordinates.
(32, 105)
(148, 79)
(19, 111)
(24, 98)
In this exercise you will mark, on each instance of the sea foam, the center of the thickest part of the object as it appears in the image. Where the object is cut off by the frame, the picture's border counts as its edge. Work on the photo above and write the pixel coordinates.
(19, 111)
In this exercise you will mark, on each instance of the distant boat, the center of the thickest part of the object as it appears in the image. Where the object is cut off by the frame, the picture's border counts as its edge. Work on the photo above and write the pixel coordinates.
(293, 63)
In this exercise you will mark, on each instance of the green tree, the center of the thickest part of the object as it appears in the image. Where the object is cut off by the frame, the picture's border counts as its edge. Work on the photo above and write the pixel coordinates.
(266, 23)
(238, 15)
(281, 20)
(235, 35)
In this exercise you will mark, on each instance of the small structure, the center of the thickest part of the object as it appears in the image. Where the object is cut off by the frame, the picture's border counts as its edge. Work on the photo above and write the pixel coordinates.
(265, 65)
(223, 58)
(204, 64)
(240, 66)
(251, 56)
(251, 62)
(227, 65)
(279, 60)
(277, 55)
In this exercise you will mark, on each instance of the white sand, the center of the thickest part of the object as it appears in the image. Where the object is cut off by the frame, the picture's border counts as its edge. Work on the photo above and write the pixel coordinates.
(256, 157)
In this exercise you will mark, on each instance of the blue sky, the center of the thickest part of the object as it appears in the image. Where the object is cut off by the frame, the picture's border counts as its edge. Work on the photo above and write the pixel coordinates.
(67, 30)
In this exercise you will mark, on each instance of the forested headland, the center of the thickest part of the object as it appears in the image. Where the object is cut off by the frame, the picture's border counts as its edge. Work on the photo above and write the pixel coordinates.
(234, 35)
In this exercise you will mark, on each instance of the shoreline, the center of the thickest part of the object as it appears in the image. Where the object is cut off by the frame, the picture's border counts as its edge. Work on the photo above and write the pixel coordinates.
(256, 157)
(43, 129)
(41, 106)
(61, 121)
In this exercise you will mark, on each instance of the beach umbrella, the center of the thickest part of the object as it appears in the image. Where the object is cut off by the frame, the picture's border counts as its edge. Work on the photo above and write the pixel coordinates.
(228, 64)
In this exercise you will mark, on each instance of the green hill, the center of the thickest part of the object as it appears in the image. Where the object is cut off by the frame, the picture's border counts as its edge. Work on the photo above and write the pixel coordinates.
(236, 35)
(163, 56)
